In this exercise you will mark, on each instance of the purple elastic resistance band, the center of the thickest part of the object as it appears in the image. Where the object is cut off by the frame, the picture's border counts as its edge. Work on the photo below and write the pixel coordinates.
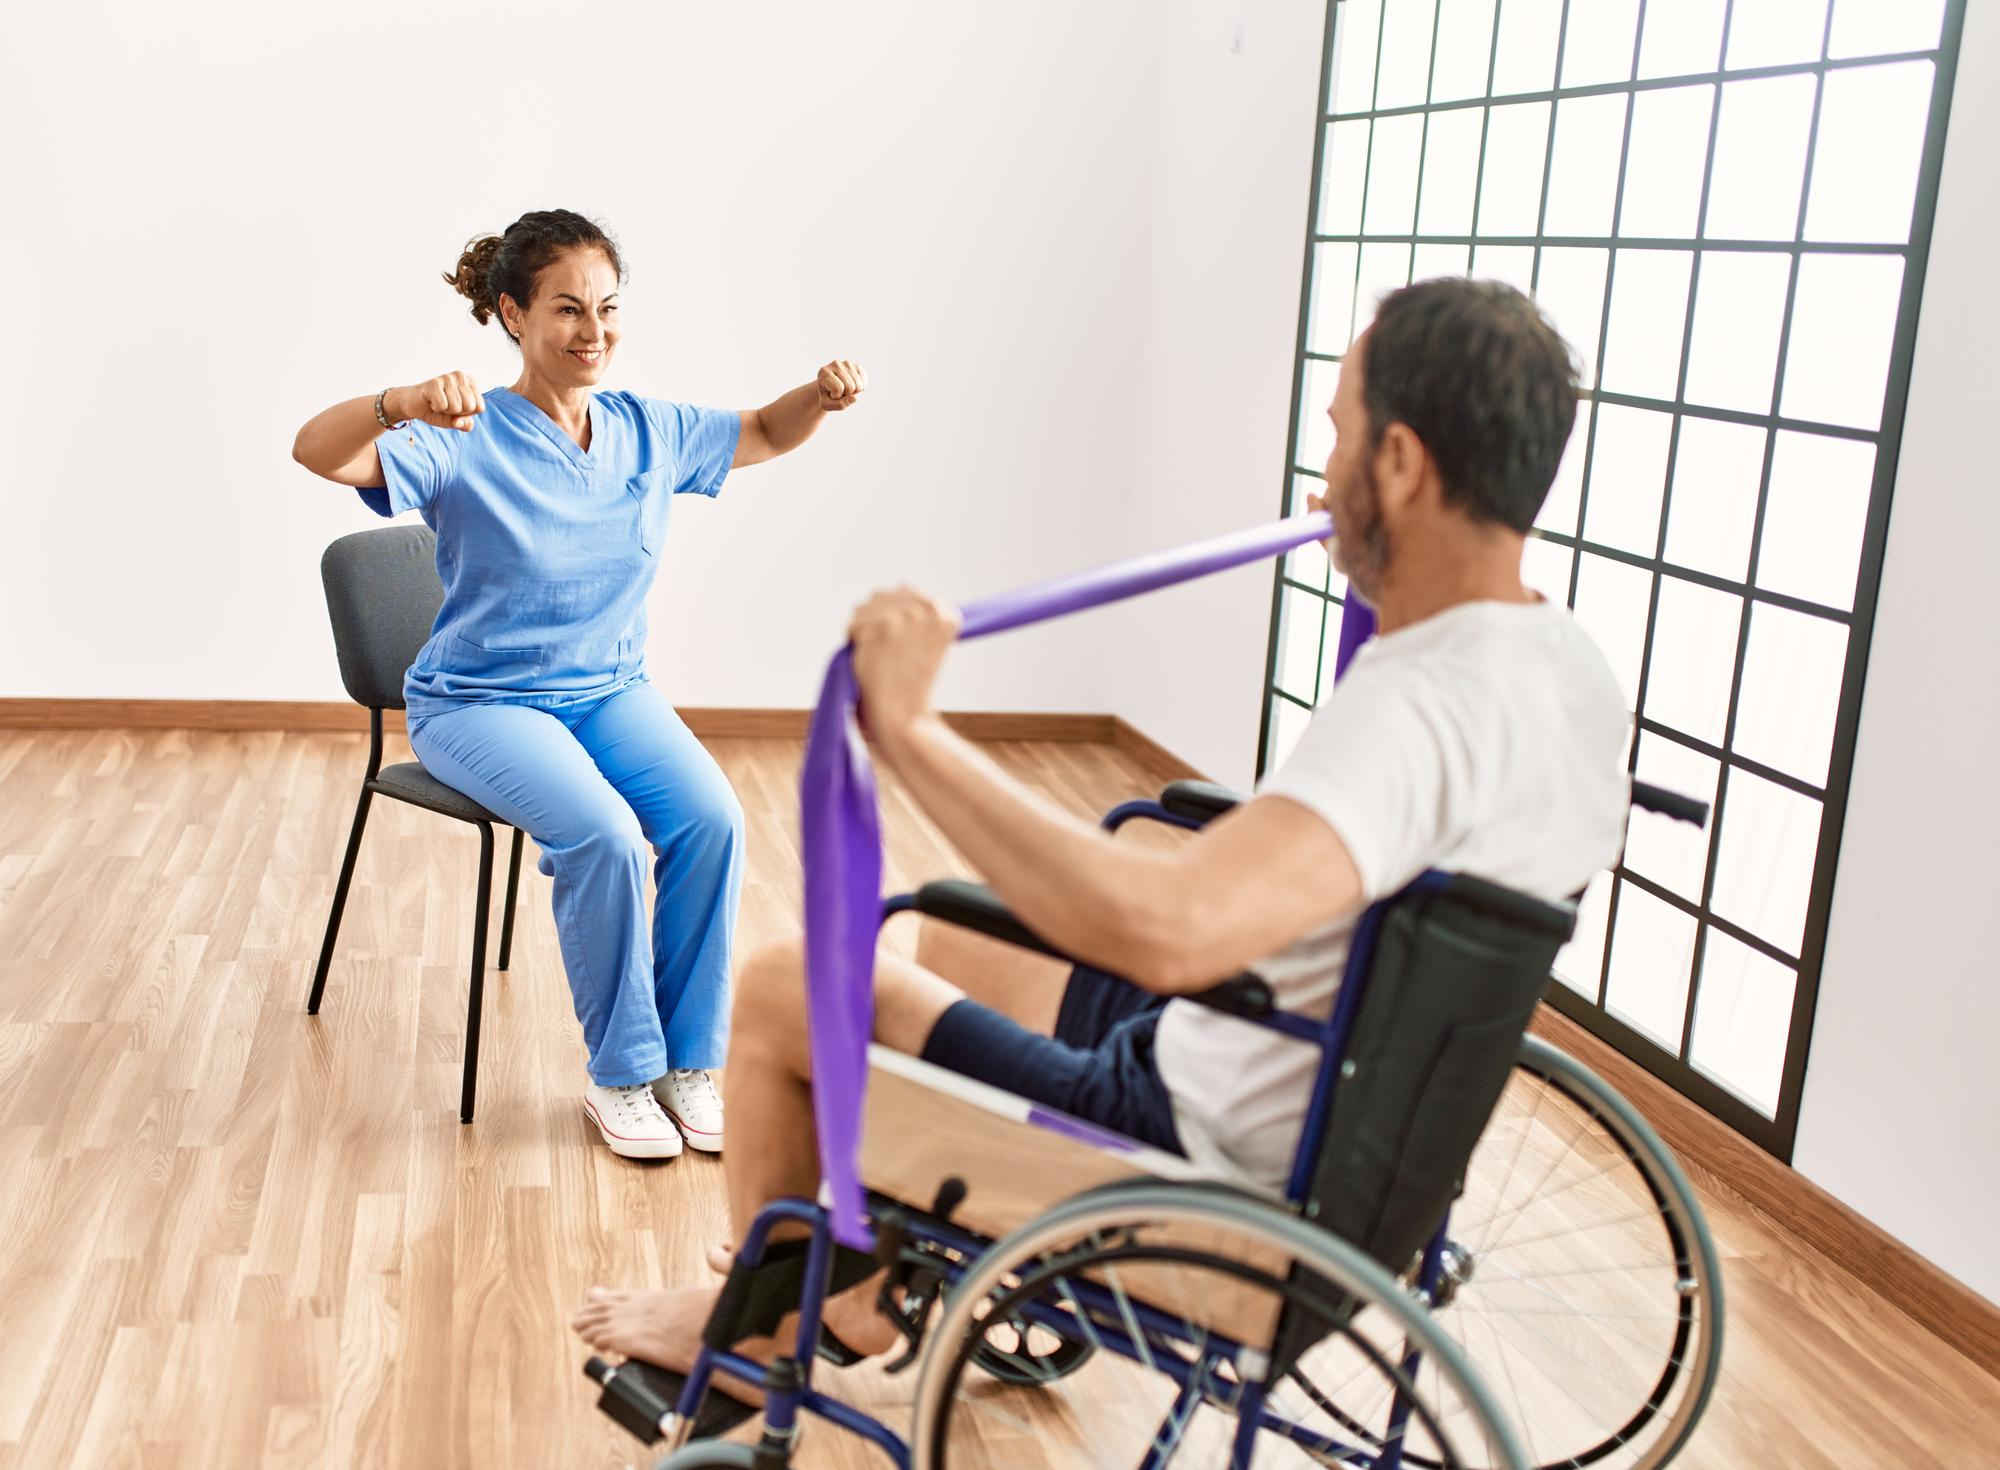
(841, 830)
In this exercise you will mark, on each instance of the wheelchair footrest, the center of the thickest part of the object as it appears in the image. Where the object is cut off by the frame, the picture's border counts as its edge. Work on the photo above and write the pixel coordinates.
(639, 1397)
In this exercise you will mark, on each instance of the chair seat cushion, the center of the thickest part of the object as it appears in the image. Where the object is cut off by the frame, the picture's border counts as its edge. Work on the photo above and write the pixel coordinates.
(409, 781)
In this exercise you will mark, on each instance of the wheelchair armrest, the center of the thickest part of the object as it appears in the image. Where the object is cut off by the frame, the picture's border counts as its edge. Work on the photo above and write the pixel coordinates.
(1245, 995)
(1199, 801)
(974, 906)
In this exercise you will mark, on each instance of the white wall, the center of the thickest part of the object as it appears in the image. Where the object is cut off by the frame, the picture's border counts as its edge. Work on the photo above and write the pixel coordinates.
(1239, 91)
(1901, 1113)
(221, 219)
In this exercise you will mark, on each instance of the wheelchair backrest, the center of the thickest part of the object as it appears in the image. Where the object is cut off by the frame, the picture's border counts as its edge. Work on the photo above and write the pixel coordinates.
(1441, 982)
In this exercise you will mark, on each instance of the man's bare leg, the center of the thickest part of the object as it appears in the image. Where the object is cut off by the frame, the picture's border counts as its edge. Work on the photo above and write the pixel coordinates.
(772, 1150)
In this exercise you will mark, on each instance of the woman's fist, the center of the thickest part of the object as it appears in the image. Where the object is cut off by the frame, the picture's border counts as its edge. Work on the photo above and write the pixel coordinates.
(449, 401)
(840, 384)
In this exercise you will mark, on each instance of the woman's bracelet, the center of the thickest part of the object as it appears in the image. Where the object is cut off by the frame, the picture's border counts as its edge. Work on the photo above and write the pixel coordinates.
(383, 418)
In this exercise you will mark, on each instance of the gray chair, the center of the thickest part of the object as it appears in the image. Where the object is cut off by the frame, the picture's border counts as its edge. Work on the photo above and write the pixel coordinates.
(383, 595)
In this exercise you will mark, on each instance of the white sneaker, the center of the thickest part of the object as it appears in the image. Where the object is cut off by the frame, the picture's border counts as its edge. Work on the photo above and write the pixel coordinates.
(631, 1121)
(690, 1098)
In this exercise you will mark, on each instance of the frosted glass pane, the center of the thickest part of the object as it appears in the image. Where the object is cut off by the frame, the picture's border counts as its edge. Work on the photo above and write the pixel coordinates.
(1559, 510)
(1510, 189)
(1694, 655)
(1451, 172)
(1673, 854)
(1571, 295)
(1316, 387)
(1739, 315)
(1843, 325)
(1742, 1019)
(1815, 514)
(1343, 171)
(1545, 566)
(1430, 261)
(1628, 477)
(1599, 43)
(1872, 122)
(1764, 865)
(1306, 563)
(1514, 264)
(1329, 655)
(1668, 153)
(1300, 614)
(1526, 57)
(1583, 173)
(1642, 346)
(1717, 467)
(1384, 268)
(1878, 28)
(1288, 723)
(1392, 175)
(1406, 56)
(1775, 32)
(1760, 159)
(1464, 50)
(1791, 691)
(1329, 326)
(1611, 601)
(1580, 962)
(1682, 38)
(1652, 952)
(1354, 45)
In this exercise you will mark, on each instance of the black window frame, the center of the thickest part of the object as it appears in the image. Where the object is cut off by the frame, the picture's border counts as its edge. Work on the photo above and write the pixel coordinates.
(1776, 1133)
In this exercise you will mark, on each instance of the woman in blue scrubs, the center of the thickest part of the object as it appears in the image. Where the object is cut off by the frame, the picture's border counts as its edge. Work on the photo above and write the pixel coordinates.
(550, 504)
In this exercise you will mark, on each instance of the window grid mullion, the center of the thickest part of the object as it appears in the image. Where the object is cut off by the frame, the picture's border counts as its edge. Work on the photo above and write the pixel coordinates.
(1757, 528)
(1698, 949)
(1646, 84)
(1590, 442)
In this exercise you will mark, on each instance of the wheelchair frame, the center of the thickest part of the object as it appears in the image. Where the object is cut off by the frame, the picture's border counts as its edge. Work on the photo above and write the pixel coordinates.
(904, 1234)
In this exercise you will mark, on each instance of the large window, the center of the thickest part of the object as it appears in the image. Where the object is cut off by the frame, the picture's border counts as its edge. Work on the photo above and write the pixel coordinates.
(1724, 205)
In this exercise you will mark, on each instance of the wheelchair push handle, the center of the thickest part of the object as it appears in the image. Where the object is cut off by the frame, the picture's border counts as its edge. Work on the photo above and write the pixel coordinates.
(1650, 798)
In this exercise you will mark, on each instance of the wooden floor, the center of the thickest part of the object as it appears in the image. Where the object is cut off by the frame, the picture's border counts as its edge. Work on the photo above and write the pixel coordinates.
(232, 1235)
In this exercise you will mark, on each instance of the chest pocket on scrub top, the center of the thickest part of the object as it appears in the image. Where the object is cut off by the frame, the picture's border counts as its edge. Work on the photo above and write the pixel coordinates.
(651, 493)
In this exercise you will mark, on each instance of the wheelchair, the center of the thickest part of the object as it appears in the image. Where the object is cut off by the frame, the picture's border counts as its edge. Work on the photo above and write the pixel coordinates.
(1484, 1257)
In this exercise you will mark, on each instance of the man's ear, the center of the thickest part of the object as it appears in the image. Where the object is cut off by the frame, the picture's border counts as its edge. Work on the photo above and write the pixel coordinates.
(1401, 466)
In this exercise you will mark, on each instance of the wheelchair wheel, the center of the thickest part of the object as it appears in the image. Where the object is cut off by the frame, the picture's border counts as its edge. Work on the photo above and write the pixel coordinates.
(1176, 1290)
(709, 1454)
(1580, 1280)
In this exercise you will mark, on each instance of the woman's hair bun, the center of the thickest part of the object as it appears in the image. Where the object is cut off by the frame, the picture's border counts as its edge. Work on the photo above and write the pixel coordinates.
(474, 277)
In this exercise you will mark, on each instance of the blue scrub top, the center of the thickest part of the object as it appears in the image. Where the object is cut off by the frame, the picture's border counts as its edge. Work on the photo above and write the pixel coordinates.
(546, 550)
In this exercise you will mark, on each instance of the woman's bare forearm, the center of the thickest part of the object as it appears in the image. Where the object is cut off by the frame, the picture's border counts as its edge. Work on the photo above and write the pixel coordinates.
(342, 439)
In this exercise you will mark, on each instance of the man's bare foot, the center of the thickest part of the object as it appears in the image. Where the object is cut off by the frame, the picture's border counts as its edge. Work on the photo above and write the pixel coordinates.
(660, 1327)
(664, 1327)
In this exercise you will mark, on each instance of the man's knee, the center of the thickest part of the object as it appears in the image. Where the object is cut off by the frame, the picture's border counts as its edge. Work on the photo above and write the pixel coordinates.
(770, 986)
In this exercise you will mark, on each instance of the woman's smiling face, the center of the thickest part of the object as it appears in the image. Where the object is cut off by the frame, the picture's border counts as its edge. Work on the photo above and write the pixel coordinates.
(570, 329)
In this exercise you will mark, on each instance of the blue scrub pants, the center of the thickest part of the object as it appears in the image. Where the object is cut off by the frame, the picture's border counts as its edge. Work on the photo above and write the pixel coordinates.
(603, 786)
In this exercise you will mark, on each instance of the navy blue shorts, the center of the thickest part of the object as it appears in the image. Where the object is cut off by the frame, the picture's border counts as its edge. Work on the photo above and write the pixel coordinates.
(1098, 1066)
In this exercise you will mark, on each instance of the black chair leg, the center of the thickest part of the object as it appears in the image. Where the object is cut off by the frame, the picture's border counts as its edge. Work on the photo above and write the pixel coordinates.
(478, 987)
(339, 901)
(513, 883)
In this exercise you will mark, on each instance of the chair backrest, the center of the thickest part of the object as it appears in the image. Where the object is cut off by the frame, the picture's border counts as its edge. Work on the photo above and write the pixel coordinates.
(383, 595)
(1441, 983)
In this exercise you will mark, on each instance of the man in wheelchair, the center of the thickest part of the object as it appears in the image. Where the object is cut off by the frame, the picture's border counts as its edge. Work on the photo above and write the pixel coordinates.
(1479, 732)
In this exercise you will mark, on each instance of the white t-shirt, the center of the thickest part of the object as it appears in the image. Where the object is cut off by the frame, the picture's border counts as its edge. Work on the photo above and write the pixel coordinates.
(1488, 739)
